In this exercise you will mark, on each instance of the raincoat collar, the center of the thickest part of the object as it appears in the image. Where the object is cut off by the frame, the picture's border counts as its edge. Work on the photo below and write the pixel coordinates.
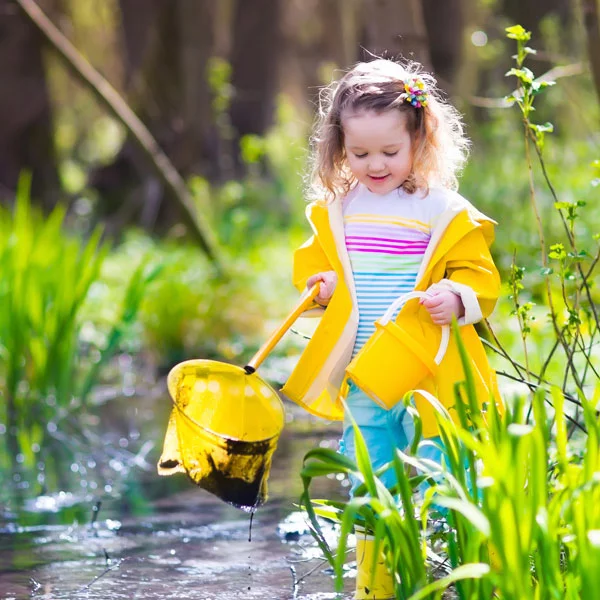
(459, 218)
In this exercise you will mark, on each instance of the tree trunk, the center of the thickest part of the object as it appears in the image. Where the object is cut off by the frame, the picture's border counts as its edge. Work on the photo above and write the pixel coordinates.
(109, 97)
(26, 135)
(167, 50)
(339, 35)
(529, 13)
(167, 46)
(319, 36)
(395, 29)
(445, 26)
(255, 62)
(591, 22)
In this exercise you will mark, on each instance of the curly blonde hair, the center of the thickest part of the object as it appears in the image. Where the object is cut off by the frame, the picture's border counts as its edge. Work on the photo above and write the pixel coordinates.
(440, 147)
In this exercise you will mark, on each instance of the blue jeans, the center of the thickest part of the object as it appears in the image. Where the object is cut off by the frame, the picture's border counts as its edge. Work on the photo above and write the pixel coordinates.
(384, 431)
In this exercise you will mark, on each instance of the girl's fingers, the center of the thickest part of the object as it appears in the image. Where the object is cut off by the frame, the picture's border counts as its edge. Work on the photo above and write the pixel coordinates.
(438, 310)
(441, 316)
(432, 302)
(328, 282)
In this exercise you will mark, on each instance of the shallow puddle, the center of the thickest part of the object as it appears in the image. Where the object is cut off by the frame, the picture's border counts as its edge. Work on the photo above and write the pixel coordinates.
(135, 535)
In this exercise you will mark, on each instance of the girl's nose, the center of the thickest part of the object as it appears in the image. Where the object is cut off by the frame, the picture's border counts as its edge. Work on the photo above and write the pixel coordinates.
(376, 164)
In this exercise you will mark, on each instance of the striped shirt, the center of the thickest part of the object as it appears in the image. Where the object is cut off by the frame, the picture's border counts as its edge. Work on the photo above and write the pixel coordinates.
(386, 238)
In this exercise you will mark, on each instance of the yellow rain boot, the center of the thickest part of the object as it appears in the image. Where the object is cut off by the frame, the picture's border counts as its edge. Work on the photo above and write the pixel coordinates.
(371, 586)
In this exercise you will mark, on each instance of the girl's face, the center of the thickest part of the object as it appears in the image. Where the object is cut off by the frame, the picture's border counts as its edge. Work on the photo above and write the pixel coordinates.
(378, 148)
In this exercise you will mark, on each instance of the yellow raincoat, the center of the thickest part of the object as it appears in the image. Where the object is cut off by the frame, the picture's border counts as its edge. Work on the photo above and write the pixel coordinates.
(457, 258)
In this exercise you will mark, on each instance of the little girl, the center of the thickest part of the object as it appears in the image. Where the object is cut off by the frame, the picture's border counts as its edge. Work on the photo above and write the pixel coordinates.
(387, 220)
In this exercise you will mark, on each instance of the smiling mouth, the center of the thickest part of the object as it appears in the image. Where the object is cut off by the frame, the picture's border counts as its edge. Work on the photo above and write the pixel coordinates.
(381, 178)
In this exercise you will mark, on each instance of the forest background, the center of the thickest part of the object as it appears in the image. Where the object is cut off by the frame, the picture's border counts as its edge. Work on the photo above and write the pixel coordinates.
(153, 157)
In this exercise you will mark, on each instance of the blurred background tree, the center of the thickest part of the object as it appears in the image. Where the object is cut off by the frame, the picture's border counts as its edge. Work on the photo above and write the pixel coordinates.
(204, 74)
(26, 134)
(228, 89)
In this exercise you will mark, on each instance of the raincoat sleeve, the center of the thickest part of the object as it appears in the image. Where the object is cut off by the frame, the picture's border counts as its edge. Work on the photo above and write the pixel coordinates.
(471, 273)
(309, 259)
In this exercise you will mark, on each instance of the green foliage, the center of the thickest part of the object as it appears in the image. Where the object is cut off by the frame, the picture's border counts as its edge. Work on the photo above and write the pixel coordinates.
(190, 311)
(553, 281)
(218, 76)
(46, 276)
(522, 523)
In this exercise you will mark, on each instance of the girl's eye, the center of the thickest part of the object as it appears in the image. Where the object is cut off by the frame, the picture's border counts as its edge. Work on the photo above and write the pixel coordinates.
(391, 153)
(360, 155)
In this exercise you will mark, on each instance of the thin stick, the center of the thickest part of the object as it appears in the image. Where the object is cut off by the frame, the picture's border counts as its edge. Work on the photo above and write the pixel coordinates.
(113, 101)
(107, 570)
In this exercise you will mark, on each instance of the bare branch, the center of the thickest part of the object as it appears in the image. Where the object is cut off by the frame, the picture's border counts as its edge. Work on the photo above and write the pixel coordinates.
(117, 106)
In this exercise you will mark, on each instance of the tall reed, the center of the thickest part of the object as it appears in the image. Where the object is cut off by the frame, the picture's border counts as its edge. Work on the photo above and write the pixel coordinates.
(46, 372)
(523, 521)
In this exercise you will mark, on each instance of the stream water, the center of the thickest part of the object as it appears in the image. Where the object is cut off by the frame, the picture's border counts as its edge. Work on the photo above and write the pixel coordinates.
(113, 529)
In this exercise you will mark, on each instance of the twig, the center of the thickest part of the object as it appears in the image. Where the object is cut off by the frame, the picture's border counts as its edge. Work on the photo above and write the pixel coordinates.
(569, 233)
(533, 386)
(294, 583)
(520, 377)
(321, 562)
(95, 512)
(107, 570)
(551, 75)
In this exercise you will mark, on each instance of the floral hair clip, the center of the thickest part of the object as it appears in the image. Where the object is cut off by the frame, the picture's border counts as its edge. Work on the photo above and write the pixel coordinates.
(415, 92)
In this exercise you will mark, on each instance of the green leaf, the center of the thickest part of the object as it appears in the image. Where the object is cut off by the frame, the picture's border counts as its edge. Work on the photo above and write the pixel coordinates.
(545, 128)
(474, 515)
(539, 86)
(557, 252)
(468, 571)
(252, 148)
(517, 32)
(524, 74)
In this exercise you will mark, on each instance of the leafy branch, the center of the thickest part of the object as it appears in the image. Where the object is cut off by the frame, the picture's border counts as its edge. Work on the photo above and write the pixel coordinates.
(567, 266)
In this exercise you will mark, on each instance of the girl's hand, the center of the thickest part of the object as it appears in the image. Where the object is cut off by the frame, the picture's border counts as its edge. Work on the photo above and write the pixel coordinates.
(328, 281)
(442, 305)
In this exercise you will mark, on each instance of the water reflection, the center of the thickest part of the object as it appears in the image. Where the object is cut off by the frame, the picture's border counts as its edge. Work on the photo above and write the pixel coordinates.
(126, 533)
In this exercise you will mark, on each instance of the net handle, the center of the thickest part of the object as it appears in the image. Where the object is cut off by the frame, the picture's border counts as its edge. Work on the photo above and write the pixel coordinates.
(306, 301)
